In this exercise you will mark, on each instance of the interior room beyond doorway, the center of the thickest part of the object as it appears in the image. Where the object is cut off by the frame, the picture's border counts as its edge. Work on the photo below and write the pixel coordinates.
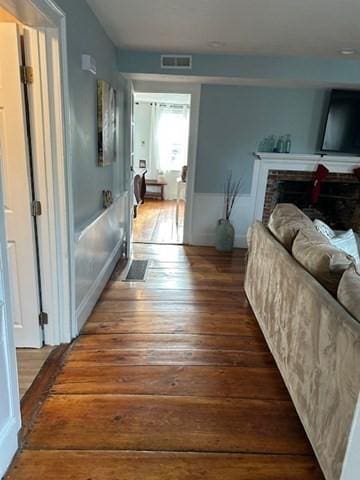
(161, 141)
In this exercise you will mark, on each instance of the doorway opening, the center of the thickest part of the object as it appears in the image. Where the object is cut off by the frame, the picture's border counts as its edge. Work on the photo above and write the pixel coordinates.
(35, 188)
(160, 166)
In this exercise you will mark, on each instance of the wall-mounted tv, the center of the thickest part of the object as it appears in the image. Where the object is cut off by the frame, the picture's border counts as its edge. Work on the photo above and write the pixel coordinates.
(342, 128)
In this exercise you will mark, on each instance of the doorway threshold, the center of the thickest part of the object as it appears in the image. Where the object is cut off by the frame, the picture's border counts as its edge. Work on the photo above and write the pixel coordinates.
(35, 395)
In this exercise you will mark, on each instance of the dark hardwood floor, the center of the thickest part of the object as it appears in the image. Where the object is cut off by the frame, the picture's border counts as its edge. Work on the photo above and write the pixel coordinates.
(170, 379)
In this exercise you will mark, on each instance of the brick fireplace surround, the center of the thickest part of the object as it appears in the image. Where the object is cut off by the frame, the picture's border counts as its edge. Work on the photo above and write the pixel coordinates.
(275, 177)
(272, 168)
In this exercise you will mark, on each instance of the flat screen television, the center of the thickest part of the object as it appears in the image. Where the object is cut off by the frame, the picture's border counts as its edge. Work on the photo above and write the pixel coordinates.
(342, 128)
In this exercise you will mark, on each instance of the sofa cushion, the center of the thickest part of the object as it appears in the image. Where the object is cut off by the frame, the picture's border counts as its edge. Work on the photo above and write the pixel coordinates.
(285, 222)
(324, 261)
(349, 291)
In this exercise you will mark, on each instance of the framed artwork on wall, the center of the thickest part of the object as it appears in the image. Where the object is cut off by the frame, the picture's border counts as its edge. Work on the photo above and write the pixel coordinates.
(106, 123)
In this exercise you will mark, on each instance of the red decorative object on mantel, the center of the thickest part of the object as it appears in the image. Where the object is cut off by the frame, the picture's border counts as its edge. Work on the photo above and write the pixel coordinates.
(320, 174)
(357, 172)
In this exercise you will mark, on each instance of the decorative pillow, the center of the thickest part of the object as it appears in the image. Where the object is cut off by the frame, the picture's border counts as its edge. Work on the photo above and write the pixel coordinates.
(349, 291)
(324, 261)
(323, 228)
(285, 222)
(357, 238)
(346, 242)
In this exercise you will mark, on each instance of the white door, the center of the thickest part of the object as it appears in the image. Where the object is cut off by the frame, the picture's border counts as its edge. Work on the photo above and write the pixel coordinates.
(9, 393)
(17, 194)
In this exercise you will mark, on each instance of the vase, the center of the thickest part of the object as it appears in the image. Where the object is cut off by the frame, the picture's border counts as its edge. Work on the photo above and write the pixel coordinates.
(224, 236)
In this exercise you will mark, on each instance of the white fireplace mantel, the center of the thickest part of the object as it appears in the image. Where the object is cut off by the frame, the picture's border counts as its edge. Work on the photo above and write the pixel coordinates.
(264, 162)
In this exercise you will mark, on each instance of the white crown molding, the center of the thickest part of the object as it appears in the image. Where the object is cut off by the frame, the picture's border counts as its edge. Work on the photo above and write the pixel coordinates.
(305, 158)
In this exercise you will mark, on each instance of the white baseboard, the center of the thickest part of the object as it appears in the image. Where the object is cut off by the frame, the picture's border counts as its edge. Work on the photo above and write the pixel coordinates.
(9, 443)
(209, 240)
(89, 301)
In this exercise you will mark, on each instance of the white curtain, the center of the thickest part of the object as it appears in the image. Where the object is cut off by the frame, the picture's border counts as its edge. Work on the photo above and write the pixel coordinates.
(169, 137)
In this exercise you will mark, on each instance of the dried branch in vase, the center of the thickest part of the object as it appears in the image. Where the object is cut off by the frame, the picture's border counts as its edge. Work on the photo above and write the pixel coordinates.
(231, 191)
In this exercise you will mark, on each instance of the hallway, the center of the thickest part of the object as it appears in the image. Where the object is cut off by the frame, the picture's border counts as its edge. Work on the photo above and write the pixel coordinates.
(171, 379)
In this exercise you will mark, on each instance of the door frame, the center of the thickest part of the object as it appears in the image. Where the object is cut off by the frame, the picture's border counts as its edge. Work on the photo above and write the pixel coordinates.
(194, 90)
(52, 164)
(128, 167)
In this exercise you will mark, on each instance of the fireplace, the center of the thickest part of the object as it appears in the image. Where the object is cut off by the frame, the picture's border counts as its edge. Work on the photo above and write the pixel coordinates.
(339, 201)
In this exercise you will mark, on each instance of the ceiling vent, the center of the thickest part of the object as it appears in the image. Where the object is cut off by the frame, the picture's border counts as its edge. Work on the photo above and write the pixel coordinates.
(176, 61)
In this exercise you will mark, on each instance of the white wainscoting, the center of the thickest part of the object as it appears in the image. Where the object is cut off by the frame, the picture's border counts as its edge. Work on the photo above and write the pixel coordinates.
(209, 207)
(98, 247)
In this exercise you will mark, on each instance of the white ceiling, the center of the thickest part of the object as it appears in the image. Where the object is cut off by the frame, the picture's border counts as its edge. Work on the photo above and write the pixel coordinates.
(280, 27)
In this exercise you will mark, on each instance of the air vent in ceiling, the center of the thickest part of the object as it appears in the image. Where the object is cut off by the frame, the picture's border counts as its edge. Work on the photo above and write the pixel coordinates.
(176, 61)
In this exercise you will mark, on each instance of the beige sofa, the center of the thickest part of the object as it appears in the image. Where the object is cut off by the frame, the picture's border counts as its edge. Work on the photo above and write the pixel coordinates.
(314, 340)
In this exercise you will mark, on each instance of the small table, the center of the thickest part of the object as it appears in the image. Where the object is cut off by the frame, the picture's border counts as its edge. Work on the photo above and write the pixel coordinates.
(155, 183)
(181, 191)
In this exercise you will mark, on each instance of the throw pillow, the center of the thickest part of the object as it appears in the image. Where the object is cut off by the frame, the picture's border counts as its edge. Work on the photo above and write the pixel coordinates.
(285, 222)
(323, 228)
(347, 242)
(324, 261)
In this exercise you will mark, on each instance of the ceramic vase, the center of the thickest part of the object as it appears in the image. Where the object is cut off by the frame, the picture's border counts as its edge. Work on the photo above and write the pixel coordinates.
(224, 236)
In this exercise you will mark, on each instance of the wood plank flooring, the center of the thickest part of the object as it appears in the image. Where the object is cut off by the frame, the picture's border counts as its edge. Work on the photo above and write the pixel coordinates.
(117, 465)
(170, 379)
(156, 222)
(29, 363)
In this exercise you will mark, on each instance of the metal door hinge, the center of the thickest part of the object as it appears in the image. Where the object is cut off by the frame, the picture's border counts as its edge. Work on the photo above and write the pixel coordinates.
(36, 208)
(26, 74)
(43, 319)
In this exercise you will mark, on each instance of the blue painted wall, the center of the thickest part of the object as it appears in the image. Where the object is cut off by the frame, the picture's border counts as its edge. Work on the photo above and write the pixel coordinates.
(86, 35)
(233, 119)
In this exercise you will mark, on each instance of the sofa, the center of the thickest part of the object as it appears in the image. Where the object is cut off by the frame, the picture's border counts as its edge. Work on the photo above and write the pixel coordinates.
(314, 339)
